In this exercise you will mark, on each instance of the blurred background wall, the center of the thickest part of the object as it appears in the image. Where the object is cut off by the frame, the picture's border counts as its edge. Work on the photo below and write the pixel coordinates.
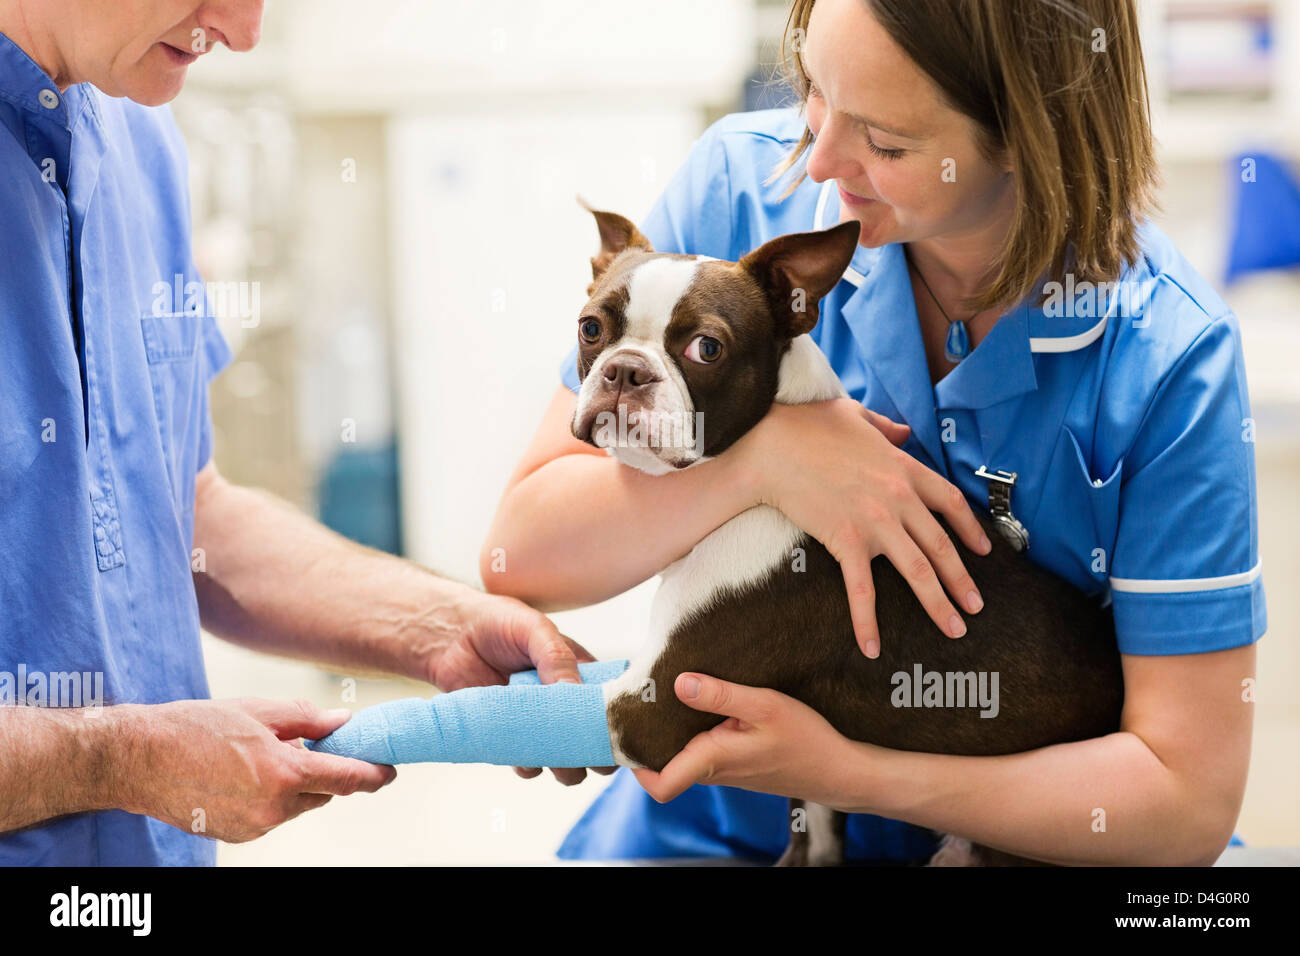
(398, 178)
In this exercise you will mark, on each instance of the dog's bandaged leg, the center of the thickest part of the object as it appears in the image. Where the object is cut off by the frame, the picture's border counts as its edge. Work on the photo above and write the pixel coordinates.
(523, 724)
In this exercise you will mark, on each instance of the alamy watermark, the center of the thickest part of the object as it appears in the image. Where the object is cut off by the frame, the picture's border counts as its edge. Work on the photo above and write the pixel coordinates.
(1073, 299)
(227, 300)
(37, 688)
(922, 688)
(647, 428)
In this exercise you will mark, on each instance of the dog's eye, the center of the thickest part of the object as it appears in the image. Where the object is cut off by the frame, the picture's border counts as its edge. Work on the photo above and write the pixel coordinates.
(704, 350)
(589, 331)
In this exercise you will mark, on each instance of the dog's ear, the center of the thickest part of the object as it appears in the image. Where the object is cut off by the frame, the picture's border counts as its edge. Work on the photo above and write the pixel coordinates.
(616, 235)
(797, 270)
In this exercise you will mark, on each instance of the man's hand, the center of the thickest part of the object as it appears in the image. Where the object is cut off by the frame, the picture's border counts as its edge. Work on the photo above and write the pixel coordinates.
(770, 742)
(233, 769)
(498, 636)
(501, 636)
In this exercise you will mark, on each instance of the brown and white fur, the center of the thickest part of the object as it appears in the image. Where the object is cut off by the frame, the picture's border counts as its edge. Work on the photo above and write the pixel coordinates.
(737, 606)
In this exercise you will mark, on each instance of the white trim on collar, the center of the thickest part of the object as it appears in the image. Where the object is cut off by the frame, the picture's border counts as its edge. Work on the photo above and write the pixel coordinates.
(1069, 343)
(822, 199)
(1181, 585)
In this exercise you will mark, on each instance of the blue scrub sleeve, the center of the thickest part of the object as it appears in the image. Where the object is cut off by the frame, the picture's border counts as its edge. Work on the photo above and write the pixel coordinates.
(216, 355)
(1188, 518)
(522, 724)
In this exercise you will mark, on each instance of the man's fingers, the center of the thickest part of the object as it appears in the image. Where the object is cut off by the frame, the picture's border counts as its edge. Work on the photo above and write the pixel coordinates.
(569, 776)
(298, 718)
(896, 432)
(856, 569)
(330, 773)
(309, 801)
(463, 666)
(551, 653)
(943, 556)
(528, 773)
(581, 653)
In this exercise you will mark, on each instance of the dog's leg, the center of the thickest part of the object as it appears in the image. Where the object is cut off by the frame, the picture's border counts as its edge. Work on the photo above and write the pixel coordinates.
(796, 852)
(825, 835)
(958, 851)
(954, 851)
(816, 836)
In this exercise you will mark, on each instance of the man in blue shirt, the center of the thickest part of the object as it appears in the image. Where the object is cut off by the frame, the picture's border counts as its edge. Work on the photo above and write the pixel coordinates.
(118, 533)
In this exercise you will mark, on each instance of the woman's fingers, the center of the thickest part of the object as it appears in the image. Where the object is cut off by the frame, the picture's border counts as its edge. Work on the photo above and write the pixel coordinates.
(944, 559)
(855, 565)
(916, 569)
(896, 432)
(694, 764)
(941, 495)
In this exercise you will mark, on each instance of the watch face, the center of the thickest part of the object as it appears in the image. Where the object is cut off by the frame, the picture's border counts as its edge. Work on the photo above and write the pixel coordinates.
(1012, 531)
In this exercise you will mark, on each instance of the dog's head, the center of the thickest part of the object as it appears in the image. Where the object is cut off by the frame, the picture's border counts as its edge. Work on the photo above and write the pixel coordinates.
(679, 355)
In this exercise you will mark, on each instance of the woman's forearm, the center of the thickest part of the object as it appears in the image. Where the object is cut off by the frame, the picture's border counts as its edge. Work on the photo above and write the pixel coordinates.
(1108, 801)
(582, 528)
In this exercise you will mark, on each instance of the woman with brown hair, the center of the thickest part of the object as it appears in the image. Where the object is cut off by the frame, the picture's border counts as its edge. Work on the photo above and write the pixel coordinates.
(1009, 312)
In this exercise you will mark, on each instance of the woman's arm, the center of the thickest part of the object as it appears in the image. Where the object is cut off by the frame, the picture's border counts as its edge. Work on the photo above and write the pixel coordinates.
(576, 527)
(1167, 787)
(1163, 790)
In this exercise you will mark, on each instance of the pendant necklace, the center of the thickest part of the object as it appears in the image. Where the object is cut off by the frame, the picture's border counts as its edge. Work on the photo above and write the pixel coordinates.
(956, 345)
(955, 348)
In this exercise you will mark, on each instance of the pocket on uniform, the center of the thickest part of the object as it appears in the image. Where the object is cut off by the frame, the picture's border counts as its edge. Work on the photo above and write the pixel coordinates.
(171, 345)
(1102, 495)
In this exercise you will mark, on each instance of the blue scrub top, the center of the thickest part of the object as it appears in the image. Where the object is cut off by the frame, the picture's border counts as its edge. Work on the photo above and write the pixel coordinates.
(1125, 416)
(103, 426)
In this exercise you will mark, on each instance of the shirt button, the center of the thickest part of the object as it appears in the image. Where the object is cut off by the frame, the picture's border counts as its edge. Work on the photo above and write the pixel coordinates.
(49, 99)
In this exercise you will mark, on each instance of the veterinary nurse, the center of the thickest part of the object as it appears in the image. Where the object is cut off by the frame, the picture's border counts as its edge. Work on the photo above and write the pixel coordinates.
(989, 149)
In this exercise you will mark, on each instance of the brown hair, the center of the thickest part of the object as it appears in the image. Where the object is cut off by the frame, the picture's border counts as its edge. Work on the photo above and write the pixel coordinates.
(1058, 87)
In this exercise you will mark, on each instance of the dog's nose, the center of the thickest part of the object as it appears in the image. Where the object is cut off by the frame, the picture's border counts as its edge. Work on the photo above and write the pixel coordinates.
(628, 372)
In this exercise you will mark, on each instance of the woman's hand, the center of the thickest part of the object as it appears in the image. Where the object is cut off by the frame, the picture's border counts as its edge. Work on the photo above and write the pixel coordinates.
(831, 468)
(770, 743)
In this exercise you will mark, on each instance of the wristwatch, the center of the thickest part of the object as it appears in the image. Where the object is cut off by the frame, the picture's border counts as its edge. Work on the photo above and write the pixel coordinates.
(1007, 524)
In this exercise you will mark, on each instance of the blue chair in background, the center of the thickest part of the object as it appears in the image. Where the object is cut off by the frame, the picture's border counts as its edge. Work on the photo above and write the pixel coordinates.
(1266, 216)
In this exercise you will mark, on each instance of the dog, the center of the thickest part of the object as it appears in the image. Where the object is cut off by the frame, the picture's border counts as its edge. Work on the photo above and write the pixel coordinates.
(679, 356)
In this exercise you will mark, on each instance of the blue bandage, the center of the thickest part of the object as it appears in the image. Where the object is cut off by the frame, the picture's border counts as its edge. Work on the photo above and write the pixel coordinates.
(523, 724)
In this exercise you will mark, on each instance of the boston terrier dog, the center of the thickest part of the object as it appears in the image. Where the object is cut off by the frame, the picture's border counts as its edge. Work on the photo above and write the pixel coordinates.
(680, 356)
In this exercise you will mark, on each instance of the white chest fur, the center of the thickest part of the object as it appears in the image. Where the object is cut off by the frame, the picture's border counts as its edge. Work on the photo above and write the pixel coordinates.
(739, 553)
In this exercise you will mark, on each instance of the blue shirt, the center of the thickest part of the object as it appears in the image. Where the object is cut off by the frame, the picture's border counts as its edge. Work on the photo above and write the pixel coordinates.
(103, 426)
(1124, 414)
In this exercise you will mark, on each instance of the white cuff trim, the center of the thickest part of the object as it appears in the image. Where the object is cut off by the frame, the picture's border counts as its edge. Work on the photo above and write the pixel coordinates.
(1180, 585)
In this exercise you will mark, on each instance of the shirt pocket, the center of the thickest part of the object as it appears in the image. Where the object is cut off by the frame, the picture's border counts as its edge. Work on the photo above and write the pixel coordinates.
(1084, 511)
(171, 345)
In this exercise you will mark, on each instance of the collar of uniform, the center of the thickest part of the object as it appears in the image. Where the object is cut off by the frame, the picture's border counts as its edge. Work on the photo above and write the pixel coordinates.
(883, 315)
(24, 84)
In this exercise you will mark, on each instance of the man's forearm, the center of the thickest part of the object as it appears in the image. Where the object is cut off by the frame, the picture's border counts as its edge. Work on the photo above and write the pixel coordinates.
(1108, 801)
(276, 580)
(59, 761)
